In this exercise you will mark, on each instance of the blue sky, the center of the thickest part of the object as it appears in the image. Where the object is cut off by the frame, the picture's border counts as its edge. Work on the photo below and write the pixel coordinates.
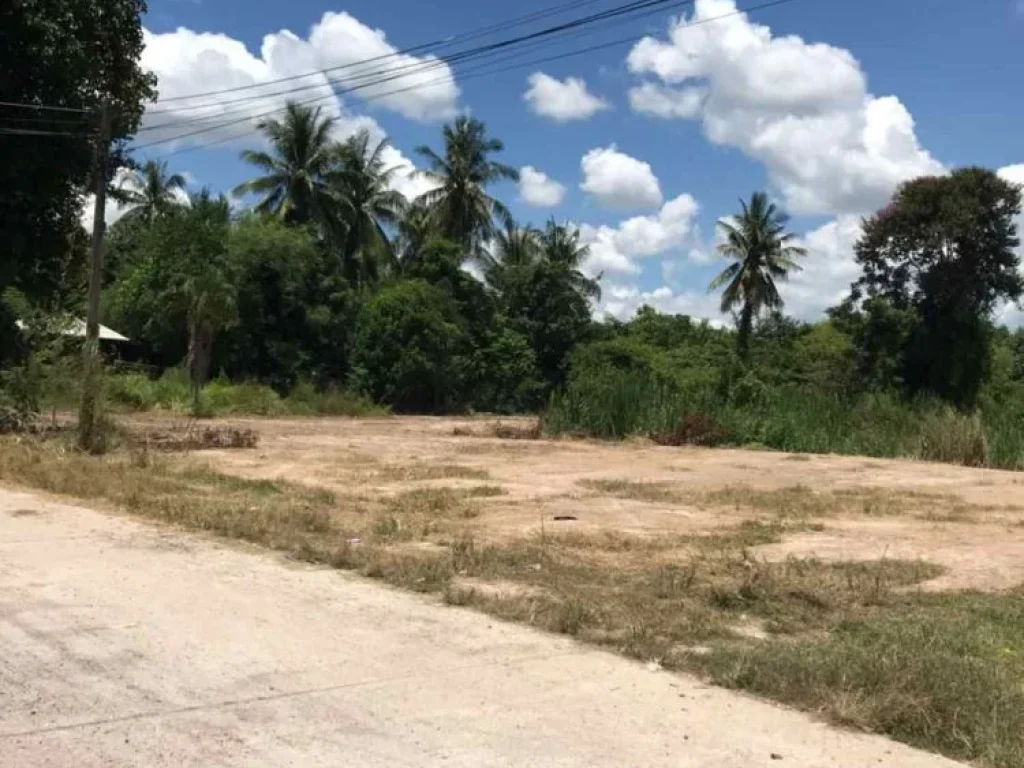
(826, 104)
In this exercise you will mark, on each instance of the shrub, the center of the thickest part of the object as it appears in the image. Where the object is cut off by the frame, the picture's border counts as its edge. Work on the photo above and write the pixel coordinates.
(950, 436)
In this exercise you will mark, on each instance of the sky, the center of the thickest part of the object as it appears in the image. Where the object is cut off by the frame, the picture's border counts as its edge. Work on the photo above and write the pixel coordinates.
(825, 104)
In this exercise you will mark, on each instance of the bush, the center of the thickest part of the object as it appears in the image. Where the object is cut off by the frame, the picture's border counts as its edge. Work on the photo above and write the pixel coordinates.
(950, 436)
(306, 399)
(248, 398)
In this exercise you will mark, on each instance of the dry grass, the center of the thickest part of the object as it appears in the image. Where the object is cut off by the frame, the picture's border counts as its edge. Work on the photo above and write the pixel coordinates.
(854, 641)
(797, 501)
(401, 473)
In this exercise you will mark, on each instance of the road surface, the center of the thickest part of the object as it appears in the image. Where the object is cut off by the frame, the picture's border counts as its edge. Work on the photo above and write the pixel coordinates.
(125, 644)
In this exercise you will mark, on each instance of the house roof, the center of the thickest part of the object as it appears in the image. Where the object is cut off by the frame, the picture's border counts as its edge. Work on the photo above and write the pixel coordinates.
(76, 328)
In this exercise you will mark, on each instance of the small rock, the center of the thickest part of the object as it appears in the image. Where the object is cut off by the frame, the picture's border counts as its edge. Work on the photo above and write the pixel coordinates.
(653, 666)
(776, 756)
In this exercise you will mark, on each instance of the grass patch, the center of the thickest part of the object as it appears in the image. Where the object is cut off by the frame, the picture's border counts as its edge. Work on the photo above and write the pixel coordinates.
(796, 501)
(946, 674)
(136, 392)
(396, 473)
(634, 489)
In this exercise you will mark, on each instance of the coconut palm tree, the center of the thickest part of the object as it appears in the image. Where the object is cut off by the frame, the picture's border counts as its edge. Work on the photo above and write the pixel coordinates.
(516, 249)
(462, 210)
(362, 184)
(762, 252)
(562, 248)
(150, 191)
(302, 154)
(415, 230)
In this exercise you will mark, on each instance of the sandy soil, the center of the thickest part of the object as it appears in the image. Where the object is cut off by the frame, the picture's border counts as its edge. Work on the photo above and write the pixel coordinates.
(126, 644)
(970, 521)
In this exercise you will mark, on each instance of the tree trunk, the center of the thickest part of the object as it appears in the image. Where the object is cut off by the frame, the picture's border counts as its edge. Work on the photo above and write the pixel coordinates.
(743, 335)
(200, 348)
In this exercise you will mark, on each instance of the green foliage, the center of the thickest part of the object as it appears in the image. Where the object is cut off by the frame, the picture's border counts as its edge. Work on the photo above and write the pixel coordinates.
(410, 348)
(626, 386)
(945, 249)
(761, 252)
(460, 208)
(76, 54)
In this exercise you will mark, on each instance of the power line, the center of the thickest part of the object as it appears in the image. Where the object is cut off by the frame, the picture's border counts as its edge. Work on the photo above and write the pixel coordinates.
(419, 67)
(467, 76)
(47, 107)
(32, 132)
(473, 34)
(464, 55)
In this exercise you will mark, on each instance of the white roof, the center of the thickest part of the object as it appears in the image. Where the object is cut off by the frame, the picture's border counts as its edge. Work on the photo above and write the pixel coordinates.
(76, 328)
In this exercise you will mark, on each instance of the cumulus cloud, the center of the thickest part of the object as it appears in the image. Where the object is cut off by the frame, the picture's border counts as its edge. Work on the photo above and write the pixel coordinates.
(623, 300)
(618, 181)
(619, 249)
(662, 101)
(802, 109)
(538, 189)
(562, 100)
(112, 211)
(188, 62)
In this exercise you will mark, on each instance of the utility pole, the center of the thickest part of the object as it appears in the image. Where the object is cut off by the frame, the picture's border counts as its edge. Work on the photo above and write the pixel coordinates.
(90, 436)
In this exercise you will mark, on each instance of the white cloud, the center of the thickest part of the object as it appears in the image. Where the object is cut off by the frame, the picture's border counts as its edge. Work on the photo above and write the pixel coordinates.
(188, 62)
(112, 211)
(662, 101)
(622, 302)
(618, 181)
(802, 109)
(1015, 175)
(1010, 313)
(828, 269)
(618, 249)
(539, 190)
(562, 100)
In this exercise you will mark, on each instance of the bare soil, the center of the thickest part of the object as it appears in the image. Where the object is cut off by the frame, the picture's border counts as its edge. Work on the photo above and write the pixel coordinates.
(970, 521)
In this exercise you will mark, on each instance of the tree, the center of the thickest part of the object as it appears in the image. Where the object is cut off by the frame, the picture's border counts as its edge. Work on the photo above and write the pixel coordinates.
(548, 302)
(460, 206)
(76, 54)
(151, 191)
(361, 182)
(296, 186)
(415, 230)
(183, 286)
(410, 347)
(516, 251)
(563, 250)
(945, 249)
(762, 252)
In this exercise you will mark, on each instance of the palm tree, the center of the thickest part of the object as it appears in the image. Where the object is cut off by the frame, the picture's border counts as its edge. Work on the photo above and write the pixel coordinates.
(762, 252)
(301, 155)
(152, 190)
(562, 248)
(516, 249)
(415, 230)
(362, 183)
(460, 205)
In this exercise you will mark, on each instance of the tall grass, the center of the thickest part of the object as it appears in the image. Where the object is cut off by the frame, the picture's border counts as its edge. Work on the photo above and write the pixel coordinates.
(619, 404)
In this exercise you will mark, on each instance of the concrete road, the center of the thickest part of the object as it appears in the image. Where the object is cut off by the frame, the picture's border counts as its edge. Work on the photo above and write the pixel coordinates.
(123, 644)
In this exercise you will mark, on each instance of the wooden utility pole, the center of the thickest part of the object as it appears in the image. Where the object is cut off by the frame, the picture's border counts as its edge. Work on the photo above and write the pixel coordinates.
(90, 436)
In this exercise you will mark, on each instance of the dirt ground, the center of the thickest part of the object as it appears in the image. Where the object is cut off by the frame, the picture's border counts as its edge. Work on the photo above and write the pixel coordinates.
(969, 521)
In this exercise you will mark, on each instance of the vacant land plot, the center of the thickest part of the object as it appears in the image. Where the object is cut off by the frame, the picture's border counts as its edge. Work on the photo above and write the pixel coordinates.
(884, 594)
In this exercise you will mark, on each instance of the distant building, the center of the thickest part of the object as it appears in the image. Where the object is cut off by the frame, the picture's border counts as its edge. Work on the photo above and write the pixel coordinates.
(76, 329)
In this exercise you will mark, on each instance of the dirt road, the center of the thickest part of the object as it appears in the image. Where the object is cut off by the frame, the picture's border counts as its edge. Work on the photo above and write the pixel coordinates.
(123, 644)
